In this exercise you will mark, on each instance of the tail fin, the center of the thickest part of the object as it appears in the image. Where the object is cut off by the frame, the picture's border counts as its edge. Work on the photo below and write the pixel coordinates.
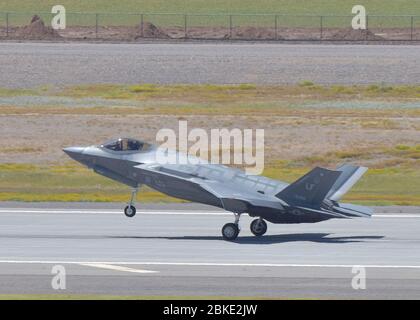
(311, 189)
(349, 176)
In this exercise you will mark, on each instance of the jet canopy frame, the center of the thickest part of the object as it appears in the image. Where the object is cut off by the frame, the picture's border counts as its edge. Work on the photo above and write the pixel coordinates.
(126, 145)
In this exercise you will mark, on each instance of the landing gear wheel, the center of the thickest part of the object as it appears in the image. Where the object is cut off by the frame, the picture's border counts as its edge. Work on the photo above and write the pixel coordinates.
(130, 211)
(230, 231)
(258, 227)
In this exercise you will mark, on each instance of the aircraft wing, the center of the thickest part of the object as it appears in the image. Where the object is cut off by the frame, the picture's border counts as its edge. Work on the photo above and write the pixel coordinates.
(232, 199)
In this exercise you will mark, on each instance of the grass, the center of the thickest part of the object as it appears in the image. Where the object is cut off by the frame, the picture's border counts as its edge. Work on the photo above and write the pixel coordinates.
(7, 92)
(304, 88)
(20, 150)
(122, 297)
(306, 83)
(32, 183)
(26, 8)
(315, 7)
(380, 123)
(233, 99)
(325, 116)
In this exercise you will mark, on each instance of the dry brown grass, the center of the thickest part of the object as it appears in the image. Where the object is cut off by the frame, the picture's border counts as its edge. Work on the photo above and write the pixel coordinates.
(297, 136)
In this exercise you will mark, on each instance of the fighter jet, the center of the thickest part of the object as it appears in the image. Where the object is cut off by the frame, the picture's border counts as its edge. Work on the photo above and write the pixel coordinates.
(312, 198)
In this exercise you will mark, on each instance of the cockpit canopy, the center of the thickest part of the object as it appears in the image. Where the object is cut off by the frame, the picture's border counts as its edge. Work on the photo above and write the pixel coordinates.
(126, 144)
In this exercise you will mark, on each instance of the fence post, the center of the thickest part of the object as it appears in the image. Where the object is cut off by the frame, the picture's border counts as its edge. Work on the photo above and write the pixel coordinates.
(276, 27)
(412, 28)
(367, 27)
(321, 27)
(185, 27)
(7, 24)
(230, 26)
(96, 25)
(141, 25)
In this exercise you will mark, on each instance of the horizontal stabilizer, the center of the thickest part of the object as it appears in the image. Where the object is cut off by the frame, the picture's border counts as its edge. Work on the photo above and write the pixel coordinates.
(352, 210)
(349, 176)
(311, 189)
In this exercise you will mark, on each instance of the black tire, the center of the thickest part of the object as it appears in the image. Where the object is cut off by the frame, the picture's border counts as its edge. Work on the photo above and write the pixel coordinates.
(230, 231)
(258, 227)
(130, 211)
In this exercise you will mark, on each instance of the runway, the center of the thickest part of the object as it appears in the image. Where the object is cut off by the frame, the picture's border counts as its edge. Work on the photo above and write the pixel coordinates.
(28, 65)
(178, 251)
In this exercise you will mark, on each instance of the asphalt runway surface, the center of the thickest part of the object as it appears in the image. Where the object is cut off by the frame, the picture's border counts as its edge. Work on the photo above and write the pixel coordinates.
(177, 250)
(27, 65)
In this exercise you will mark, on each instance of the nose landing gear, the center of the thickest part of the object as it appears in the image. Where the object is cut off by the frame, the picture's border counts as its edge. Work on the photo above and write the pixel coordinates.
(130, 210)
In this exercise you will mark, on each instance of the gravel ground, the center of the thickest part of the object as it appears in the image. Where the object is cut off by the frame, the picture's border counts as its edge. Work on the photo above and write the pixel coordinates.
(24, 101)
(285, 138)
(26, 65)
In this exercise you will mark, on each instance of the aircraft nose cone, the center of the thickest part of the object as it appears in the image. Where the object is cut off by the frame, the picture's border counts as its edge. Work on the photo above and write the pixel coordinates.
(74, 152)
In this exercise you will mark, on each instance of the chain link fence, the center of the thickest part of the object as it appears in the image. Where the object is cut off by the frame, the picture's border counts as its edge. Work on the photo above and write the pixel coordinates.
(272, 27)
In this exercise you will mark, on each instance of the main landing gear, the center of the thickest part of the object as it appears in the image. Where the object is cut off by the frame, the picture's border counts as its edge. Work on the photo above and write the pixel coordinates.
(258, 227)
(230, 231)
(130, 210)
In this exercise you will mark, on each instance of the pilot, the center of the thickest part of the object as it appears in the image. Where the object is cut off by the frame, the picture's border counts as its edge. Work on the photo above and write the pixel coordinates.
(134, 145)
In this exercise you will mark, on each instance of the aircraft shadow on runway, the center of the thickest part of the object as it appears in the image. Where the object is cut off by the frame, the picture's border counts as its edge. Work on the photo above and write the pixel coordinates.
(267, 239)
(270, 239)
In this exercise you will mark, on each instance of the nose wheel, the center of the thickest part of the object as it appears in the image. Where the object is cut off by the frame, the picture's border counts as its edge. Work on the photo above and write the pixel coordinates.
(258, 227)
(130, 210)
(230, 231)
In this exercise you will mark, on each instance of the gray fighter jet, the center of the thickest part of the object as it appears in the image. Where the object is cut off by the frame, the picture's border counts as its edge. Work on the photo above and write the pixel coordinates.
(312, 198)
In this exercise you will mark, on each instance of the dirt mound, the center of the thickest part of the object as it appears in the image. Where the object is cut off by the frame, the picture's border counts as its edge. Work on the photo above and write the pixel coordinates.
(254, 33)
(351, 34)
(150, 31)
(38, 30)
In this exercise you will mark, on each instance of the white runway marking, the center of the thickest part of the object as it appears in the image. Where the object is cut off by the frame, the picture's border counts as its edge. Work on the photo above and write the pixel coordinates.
(396, 215)
(119, 212)
(168, 212)
(206, 264)
(116, 268)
